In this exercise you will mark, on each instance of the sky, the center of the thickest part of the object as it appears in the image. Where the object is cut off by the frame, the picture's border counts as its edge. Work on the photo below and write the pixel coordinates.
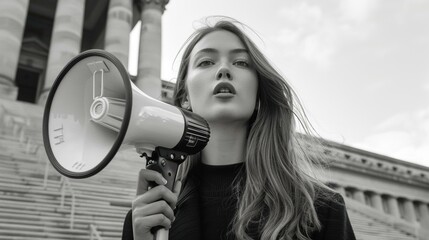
(360, 67)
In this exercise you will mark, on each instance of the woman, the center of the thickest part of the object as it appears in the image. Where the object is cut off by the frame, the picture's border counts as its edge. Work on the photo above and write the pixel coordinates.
(253, 179)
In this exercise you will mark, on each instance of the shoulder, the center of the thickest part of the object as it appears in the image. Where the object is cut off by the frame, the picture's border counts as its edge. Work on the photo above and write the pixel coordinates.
(330, 206)
(326, 202)
(332, 214)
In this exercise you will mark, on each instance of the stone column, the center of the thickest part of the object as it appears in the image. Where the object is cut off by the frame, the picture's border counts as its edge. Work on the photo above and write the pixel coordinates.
(118, 28)
(393, 206)
(65, 41)
(423, 210)
(13, 15)
(149, 66)
(410, 214)
(359, 196)
(424, 221)
(377, 201)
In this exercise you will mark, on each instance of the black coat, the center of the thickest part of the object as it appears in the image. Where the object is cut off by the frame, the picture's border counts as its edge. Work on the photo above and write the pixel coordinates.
(330, 211)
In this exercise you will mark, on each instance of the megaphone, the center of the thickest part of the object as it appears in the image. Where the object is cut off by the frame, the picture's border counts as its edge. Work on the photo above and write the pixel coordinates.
(93, 109)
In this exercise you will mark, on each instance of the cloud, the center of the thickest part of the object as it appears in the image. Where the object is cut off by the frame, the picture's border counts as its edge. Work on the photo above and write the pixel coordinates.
(404, 136)
(304, 33)
(426, 86)
(315, 32)
(358, 11)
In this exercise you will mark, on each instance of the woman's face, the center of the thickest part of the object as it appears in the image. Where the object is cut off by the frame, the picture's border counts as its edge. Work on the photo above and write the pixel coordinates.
(221, 81)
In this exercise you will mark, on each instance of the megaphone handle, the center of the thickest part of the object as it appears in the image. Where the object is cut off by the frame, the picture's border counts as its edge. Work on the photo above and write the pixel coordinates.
(161, 234)
(168, 168)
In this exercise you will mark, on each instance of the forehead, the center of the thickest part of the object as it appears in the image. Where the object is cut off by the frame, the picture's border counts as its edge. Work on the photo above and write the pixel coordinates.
(221, 40)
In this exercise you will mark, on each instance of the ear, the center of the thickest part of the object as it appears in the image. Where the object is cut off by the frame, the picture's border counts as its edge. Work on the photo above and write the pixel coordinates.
(186, 104)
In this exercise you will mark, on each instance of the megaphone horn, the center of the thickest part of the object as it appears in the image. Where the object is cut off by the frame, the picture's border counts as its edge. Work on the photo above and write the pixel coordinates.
(93, 108)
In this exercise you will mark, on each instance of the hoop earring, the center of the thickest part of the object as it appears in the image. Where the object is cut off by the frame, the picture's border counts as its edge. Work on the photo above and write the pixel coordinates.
(186, 105)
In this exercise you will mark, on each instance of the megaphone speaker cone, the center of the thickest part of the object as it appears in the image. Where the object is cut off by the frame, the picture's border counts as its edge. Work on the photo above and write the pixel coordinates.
(78, 109)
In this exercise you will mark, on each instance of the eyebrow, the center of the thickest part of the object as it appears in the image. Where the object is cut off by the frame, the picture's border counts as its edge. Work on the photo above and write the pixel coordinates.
(213, 50)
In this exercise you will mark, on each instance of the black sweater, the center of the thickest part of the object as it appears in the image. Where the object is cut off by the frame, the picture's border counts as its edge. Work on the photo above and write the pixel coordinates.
(207, 205)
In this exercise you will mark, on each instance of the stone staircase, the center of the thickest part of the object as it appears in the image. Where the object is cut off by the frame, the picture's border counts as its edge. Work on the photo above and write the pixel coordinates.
(370, 224)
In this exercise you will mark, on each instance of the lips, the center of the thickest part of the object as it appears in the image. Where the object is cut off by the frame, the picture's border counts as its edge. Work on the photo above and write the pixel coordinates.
(224, 88)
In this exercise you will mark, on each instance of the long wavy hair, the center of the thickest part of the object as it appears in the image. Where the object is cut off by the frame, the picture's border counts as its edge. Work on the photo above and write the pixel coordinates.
(279, 187)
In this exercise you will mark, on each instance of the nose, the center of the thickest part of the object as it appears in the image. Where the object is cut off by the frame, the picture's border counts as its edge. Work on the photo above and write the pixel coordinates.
(223, 72)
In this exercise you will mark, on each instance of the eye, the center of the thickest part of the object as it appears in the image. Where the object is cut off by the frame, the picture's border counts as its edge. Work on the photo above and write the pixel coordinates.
(241, 63)
(205, 63)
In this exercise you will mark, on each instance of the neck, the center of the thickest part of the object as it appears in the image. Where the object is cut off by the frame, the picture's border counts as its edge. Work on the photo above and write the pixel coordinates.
(227, 144)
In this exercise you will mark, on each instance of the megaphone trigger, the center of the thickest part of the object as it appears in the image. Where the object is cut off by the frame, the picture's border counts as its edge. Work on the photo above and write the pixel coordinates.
(166, 162)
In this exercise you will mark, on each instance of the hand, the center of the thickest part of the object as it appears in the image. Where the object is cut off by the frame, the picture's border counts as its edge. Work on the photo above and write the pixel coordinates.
(153, 207)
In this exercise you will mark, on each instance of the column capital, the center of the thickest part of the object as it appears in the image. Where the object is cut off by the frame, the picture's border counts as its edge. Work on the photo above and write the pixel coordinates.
(155, 4)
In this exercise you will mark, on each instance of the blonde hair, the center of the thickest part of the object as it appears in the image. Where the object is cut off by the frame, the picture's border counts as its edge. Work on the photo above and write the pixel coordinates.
(278, 189)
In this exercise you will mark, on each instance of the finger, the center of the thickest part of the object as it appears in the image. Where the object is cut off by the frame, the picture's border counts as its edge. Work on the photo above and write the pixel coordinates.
(145, 176)
(148, 222)
(155, 194)
(153, 209)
